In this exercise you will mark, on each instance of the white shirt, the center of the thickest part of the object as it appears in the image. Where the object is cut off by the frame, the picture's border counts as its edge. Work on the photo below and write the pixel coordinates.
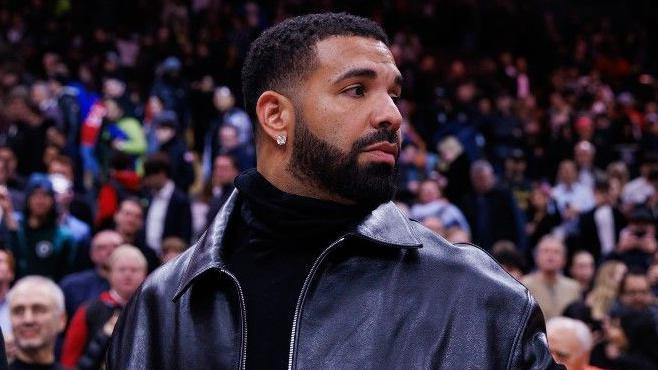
(637, 191)
(605, 227)
(577, 195)
(156, 216)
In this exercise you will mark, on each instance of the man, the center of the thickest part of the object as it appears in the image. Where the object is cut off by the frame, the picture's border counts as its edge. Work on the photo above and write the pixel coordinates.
(491, 210)
(572, 197)
(582, 270)
(317, 265)
(432, 204)
(637, 241)
(570, 342)
(37, 316)
(6, 278)
(225, 169)
(170, 142)
(600, 227)
(548, 285)
(635, 295)
(80, 231)
(86, 339)
(85, 285)
(169, 212)
(584, 153)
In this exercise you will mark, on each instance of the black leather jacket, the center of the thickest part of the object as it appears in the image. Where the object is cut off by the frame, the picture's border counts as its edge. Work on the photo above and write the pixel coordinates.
(389, 295)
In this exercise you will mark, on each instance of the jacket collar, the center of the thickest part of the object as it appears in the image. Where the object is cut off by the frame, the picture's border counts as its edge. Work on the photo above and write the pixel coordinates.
(385, 226)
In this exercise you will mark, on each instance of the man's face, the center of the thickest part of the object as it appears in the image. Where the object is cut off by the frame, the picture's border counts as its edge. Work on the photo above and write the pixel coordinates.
(567, 350)
(40, 203)
(102, 247)
(582, 268)
(6, 273)
(347, 126)
(224, 171)
(637, 294)
(550, 256)
(129, 218)
(126, 274)
(35, 319)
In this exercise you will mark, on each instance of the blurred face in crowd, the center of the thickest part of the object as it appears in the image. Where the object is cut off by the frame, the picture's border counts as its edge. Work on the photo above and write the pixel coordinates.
(223, 99)
(428, 192)
(129, 218)
(164, 133)
(550, 256)
(40, 203)
(154, 182)
(6, 268)
(347, 125)
(7, 156)
(584, 154)
(228, 137)
(582, 268)
(114, 112)
(127, 271)
(102, 246)
(4, 174)
(57, 167)
(35, 318)
(636, 292)
(39, 93)
(483, 180)
(567, 172)
(567, 349)
(223, 171)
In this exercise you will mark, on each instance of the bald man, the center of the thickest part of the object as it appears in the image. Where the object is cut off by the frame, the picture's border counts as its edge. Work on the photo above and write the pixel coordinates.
(570, 342)
(85, 285)
(92, 325)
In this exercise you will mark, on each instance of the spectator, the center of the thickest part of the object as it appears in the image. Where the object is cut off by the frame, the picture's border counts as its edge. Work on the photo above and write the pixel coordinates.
(454, 165)
(582, 270)
(600, 227)
(432, 204)
(515, 178)
(584, 153)
(224, 101)
(39, 245)
(542, 217)
(635, 295)
(637, 241)
(37, 316)
(171, 143)
(169, 212)
(225, 169)
(552, 290)
(91, 327)
(510, 259)
(571, 197)
(83, 286)
(6, 278)
(79, 205)
(570, 342)
(491, 210)
(606, 288)
(172, 247)
(123, 182)
(640, 189)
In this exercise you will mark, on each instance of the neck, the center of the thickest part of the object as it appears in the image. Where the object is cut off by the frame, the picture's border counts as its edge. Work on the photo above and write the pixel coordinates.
(40, 356)
(127, 237)
(549, 276)
(102, 271)
(283, 180)
(35, 221)
(4, 288)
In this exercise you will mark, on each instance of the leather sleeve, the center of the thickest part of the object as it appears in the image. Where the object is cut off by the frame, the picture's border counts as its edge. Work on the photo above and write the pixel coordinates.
(531, 347)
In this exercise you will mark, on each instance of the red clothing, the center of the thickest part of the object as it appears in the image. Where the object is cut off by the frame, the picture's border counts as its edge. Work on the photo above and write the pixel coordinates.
(86, 322)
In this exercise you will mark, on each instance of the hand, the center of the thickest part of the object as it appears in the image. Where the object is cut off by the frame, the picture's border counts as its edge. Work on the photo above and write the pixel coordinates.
(108, 328)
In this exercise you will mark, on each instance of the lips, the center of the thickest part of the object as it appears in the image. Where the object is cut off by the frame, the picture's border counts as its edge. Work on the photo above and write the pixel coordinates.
(382, 152)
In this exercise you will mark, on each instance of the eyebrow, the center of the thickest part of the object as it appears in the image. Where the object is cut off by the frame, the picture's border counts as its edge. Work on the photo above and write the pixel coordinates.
(364, 72)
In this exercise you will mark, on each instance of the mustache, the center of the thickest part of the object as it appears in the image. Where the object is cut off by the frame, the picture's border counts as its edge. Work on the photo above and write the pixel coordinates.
(376, 137)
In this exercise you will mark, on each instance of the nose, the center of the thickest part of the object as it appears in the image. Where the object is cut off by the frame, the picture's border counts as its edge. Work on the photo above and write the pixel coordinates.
(386, 114)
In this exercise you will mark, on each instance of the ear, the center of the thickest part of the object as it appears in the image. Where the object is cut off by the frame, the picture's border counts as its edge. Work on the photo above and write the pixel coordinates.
(276, 114)
(62, 322)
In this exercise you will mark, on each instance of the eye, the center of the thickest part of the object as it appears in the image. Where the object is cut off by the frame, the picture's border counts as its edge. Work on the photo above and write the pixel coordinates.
(396, 99)
(356, 91)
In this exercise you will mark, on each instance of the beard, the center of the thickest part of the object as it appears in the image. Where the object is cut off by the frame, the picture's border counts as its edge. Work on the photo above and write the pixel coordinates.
(323, 164)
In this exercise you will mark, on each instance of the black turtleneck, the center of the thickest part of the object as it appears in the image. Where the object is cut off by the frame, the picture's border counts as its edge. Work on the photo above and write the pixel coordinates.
(270, 248)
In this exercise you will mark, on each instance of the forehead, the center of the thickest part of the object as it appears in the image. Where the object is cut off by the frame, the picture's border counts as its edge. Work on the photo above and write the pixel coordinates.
(126, 259)
(338, 54)
(29, 295)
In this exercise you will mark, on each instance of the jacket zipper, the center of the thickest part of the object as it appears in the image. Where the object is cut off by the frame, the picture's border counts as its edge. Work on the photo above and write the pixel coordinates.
(243, 311)
(302, 296)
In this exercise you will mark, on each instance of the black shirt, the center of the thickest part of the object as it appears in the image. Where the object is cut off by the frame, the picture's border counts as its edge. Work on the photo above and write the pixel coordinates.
(271, 247)
(20, 365)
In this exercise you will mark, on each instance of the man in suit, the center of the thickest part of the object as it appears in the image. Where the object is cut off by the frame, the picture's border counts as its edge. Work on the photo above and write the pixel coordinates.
(168, 213)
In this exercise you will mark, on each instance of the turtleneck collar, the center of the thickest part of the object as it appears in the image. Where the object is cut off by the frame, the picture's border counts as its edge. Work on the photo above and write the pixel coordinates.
(275, 214)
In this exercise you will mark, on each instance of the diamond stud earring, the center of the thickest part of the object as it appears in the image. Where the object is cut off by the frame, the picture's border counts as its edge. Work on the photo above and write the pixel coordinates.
(281, 139)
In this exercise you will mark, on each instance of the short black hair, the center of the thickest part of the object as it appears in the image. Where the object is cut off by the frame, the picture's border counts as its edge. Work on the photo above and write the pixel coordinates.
(285, 53)
(157, 163)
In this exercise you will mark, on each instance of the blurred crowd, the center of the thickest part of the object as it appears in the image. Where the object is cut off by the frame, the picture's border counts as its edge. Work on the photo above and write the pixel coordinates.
(530, 130)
